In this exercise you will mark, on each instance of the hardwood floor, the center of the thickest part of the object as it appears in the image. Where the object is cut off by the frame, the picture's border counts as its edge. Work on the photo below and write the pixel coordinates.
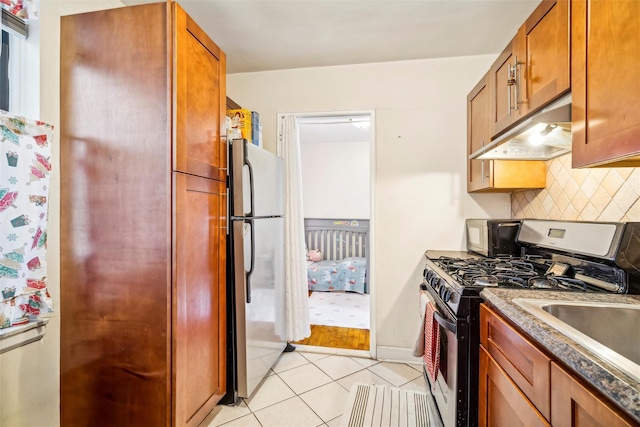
(335, 337)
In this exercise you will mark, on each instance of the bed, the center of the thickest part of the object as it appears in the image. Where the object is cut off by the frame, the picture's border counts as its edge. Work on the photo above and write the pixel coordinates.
(344, 245)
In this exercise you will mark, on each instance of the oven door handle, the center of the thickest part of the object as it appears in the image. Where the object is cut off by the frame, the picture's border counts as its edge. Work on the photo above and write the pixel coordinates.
(447, 324)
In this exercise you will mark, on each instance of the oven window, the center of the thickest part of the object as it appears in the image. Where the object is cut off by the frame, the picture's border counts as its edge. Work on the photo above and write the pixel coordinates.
(444, 358)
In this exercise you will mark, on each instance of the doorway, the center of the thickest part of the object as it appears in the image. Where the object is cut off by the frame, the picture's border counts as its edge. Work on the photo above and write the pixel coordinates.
(337, 159)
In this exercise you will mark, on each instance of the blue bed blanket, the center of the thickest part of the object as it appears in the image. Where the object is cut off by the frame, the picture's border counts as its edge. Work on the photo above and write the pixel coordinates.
(347, 274)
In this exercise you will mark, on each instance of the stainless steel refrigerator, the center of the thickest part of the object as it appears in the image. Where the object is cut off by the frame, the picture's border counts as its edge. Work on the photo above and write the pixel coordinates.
(256, 296)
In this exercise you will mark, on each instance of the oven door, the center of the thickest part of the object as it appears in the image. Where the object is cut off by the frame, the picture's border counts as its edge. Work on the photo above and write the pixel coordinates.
(451, 406)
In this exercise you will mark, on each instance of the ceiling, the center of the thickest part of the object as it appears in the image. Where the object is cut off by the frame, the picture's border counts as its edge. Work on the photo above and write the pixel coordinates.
(262, 35)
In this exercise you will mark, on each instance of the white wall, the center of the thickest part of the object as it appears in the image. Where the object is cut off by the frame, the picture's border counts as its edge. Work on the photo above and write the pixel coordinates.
(335, 179)
(420, 198)
(29, 376)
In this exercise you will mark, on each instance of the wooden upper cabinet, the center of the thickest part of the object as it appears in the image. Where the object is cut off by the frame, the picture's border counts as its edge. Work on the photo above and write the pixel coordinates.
(575, 405)
(533, 69)
(200, 146)
(505, 80)
(494, 175)
(545, 55)
(478, 134)
(605, 41)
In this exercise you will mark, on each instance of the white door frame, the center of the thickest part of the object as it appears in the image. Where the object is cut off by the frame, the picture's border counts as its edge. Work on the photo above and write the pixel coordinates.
(372, 181)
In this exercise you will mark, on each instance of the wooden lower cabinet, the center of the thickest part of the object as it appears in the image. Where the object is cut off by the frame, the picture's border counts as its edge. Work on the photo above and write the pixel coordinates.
(526, 365)
(143, 329)
(501, 403)
(199, 332)
(574, 405)
(520, 385)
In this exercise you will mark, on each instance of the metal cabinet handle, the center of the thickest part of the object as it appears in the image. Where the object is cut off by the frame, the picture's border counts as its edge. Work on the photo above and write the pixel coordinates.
(509, 92)
(482, 176)
(226, 211)
(513, 80)
(516, 83)
(225, 147)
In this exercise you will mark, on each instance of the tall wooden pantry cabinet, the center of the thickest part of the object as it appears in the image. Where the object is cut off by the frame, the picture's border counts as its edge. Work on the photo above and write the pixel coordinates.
(143, 218)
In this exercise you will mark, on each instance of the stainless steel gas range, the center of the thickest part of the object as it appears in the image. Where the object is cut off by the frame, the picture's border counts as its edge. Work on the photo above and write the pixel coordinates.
(561, 256)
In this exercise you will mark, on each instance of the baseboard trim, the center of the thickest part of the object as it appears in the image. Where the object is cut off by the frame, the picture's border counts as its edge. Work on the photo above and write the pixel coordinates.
(397, 354)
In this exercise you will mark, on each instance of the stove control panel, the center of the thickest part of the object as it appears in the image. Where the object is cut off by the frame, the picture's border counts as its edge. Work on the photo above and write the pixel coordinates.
(444, 291)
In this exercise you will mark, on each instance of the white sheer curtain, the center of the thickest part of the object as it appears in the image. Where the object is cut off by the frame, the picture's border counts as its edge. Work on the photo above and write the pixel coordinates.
(296, 288)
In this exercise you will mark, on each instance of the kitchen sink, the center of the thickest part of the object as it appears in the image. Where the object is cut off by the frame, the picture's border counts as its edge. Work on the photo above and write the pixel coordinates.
(607, 329)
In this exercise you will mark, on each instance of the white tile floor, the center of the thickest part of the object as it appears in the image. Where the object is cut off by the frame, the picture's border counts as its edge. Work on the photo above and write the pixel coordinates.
(309, 389)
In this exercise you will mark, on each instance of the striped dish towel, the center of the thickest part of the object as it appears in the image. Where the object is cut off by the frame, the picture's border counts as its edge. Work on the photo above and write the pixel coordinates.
(431, 343)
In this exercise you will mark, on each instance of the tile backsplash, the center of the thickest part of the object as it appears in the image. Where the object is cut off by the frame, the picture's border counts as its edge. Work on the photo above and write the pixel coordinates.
(595, 194)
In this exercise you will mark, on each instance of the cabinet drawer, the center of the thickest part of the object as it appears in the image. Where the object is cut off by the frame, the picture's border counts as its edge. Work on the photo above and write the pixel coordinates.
(501, 402)
(525, 364)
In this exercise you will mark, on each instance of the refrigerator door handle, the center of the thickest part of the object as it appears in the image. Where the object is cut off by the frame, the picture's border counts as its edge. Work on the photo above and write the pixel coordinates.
(253, 258)
(250, 168)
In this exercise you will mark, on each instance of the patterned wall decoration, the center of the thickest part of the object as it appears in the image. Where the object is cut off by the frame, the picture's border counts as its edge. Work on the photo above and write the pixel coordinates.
(594, 194)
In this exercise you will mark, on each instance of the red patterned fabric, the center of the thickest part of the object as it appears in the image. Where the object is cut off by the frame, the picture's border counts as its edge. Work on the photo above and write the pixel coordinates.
(431, 343)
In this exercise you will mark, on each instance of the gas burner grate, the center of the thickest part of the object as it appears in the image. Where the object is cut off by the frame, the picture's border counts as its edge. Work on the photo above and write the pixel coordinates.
(568, 283)
(507, 279)
(528, 272)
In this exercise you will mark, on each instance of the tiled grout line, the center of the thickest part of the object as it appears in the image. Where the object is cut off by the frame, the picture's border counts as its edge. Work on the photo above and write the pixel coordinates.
(363, 368)
(298, 395)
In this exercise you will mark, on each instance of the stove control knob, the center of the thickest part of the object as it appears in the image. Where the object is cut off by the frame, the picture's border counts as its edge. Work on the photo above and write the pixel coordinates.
(447, 295)
(435, 282)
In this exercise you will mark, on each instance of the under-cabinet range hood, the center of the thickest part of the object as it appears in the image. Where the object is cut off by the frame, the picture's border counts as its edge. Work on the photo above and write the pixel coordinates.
(543, 136)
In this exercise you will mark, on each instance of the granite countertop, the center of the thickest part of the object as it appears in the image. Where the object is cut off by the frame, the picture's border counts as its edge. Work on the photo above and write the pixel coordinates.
(621, 388)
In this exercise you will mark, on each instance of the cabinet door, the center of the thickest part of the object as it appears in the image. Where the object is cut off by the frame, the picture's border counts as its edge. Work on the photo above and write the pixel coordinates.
(199, 313)
(115, 224)
(605, 41)
(494, 175)
(478, 171)
(525, 364)
(576, 406)
(505, 82)
(500, 402)
(546, 54)
(200, 146)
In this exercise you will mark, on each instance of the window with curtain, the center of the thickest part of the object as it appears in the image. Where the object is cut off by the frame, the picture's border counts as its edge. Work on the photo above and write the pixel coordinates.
(25, 157)
(20, 59)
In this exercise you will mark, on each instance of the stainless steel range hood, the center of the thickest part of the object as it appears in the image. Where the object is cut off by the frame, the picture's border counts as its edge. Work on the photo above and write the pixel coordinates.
(545, 135)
